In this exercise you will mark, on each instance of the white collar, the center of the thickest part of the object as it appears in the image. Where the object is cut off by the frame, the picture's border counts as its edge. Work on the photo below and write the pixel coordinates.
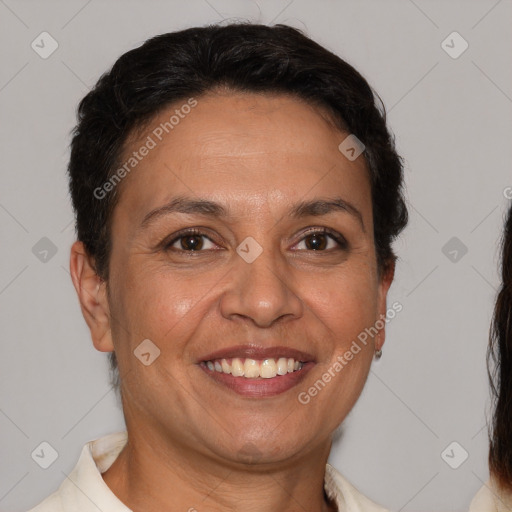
(85, 490)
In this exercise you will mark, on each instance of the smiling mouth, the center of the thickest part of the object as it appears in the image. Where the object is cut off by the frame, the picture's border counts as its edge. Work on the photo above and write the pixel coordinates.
(254, 371)
(254, 368)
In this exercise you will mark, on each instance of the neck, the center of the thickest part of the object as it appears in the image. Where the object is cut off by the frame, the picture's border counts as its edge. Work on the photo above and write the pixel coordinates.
(152, 475)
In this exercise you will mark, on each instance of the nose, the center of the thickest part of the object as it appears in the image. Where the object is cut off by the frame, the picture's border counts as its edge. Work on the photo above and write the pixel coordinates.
(261, 291)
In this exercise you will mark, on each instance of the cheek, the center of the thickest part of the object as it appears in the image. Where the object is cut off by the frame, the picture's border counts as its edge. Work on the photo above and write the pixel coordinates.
(348, 312)
(347, 306)
(159, 306)
(346, 301)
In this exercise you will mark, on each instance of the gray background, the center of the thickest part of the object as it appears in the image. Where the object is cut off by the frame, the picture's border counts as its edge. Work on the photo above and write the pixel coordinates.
(453, 124)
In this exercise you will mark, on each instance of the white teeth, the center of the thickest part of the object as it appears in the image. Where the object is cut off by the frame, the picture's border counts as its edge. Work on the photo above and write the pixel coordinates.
(237, 368)
(268, 369)
(226, 368)
(282, 366)
(253, 368)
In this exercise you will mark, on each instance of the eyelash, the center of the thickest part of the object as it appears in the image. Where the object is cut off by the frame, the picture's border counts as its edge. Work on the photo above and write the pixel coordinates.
(337, 237)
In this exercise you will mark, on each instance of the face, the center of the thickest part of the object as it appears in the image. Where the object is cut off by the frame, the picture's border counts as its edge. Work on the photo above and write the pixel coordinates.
(266, 266)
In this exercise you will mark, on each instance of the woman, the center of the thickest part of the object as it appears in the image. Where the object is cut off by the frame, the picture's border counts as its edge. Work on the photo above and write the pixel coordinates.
(236, 194)
(496, 494)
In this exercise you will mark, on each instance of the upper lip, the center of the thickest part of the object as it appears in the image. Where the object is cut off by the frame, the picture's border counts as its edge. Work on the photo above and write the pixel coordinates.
(258, 352)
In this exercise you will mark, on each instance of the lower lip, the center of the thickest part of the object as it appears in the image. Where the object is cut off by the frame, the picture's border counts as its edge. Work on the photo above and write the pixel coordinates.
(259, 387)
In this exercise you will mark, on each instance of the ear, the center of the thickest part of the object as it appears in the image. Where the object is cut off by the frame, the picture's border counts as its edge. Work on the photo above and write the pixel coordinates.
(92, 294)
(386, 278)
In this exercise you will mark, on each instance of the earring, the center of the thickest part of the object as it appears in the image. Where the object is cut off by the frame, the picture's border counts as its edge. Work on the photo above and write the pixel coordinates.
(378, 354)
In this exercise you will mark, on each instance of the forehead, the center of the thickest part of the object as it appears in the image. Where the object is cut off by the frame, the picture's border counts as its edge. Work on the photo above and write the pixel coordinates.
(242, 147)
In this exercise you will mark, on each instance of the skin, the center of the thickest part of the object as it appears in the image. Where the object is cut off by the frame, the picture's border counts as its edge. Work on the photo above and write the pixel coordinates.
(256, 155)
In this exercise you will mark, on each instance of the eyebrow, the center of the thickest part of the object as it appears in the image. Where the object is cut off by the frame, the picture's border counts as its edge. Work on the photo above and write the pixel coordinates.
(312, 208)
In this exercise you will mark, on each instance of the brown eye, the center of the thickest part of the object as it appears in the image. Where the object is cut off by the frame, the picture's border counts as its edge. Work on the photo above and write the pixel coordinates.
(316, 242)
(190, 241)
(323, 240)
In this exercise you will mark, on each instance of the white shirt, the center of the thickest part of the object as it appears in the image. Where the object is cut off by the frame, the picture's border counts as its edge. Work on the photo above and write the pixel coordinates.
(490, 499)
(86, 491)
